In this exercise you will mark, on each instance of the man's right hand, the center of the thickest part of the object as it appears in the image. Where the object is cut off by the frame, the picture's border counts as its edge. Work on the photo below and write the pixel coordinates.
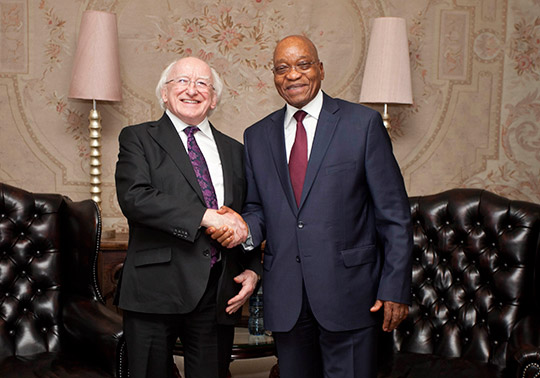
(226, 226)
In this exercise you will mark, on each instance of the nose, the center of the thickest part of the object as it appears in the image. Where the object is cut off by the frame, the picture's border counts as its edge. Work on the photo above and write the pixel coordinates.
(293, 74)
(191, 88)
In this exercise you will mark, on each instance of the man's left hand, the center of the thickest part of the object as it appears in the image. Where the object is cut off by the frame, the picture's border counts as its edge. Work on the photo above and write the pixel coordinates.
(394, 313)
(248, 279)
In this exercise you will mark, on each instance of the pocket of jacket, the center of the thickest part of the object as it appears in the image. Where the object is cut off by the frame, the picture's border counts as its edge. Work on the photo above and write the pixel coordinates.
(153, 256)
(359, 256)
(336, 168)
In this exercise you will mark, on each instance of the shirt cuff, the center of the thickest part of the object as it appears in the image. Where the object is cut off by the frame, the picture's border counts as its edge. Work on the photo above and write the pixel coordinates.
(248, 244)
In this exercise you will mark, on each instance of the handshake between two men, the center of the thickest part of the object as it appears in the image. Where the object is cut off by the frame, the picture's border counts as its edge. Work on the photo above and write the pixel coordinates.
(228, 228)
(225, 226)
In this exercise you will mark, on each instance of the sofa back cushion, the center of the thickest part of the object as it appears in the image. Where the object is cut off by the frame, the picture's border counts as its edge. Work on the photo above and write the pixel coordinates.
(30, 278)
(474, 266)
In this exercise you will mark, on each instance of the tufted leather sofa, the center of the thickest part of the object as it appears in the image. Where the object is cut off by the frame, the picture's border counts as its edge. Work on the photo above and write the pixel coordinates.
(475, 291)
(53, 322)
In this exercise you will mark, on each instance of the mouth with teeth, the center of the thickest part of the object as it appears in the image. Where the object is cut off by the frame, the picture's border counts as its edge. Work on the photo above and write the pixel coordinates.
(186, 101)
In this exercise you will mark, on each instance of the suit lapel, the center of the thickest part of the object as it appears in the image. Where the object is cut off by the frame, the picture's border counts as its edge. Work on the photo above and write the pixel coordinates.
(225, 155)
(276, 139)
(165, 134)
(326, 126)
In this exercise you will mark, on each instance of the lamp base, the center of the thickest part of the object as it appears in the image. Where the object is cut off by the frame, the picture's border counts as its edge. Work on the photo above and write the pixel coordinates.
(95, 155)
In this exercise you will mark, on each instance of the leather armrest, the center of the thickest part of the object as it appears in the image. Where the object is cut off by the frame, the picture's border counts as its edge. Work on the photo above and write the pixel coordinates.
(523, 354)
(93, 326)
(528, 363)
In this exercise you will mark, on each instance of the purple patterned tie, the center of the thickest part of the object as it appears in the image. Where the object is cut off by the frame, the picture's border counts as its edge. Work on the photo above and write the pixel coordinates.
(203, 176)
(298, 159)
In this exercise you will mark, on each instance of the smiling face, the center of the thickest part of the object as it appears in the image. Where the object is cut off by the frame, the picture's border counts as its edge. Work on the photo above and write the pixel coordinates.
(298, 87)
(189, 103)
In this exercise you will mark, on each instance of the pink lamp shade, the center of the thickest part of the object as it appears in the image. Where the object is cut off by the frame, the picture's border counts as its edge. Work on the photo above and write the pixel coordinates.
(387, 73)
(96, 68)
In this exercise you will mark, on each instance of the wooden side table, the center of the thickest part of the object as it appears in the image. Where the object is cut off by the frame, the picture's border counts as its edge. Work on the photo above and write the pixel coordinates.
(110, 261)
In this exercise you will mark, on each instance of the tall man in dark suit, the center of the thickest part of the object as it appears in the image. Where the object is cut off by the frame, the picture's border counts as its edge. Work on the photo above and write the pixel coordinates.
(325, 191)
(171, 177)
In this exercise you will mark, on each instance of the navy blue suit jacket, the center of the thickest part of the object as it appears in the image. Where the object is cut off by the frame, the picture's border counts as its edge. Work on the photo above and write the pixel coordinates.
(350, 240)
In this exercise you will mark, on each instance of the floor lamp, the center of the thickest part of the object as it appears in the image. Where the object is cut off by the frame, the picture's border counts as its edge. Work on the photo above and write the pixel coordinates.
(387, 72)
(96, 76)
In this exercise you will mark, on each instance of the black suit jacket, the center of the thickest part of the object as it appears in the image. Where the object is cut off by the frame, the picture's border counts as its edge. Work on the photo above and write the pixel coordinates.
(168, 259)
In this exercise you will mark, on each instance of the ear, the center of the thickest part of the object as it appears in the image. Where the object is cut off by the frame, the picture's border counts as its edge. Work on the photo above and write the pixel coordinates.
(322, 71)
(164, 96)
(213, 104)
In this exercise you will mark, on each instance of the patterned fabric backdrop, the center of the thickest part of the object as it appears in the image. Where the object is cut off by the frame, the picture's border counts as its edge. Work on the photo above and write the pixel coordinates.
(475, 67)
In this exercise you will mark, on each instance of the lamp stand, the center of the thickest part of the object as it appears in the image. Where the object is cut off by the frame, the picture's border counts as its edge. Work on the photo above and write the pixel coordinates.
(95, 154)
(386, 118)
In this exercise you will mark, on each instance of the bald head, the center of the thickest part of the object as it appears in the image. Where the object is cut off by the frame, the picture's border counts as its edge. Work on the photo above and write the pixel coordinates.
(292, 40)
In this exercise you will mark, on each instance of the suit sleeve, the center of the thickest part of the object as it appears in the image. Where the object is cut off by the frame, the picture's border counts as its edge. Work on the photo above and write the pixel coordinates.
(142, 202)
(392, 213)
(253, 211)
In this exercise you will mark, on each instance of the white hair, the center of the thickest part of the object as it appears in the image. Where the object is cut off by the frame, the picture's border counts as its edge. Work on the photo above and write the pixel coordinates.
(217, 84)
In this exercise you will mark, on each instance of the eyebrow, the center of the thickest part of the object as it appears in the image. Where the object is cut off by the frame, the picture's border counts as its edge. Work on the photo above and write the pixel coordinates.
(198, 77)
(304, 57)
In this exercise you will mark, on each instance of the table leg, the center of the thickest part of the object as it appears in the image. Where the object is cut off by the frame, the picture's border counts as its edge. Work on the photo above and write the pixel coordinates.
(274, 372)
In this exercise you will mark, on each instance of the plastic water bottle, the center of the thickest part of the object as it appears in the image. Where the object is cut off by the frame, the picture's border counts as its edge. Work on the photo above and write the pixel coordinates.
(255, 321)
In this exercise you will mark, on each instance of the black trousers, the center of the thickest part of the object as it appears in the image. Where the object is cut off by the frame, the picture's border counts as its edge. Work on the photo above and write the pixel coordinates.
(207, 345)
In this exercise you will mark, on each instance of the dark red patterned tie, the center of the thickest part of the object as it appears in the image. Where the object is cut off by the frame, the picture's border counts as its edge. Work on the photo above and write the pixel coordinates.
(298, 159)
(203, 176)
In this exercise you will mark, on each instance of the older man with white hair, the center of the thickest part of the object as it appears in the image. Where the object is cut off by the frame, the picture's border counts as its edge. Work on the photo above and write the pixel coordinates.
(172, 176)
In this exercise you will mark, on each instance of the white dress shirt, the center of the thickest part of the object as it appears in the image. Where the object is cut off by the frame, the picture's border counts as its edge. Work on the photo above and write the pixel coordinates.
(313, 110)
(207, 144)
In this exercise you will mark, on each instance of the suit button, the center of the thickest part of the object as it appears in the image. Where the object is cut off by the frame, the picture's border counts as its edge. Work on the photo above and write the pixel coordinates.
(206, 253)
(297, 259)
(300, 224)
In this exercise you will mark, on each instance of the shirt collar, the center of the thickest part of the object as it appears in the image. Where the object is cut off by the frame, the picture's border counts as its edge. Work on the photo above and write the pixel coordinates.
(313, 108)
(180, 125)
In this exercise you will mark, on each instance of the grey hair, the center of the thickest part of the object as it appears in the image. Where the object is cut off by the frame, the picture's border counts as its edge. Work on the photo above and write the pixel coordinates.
(217, 84)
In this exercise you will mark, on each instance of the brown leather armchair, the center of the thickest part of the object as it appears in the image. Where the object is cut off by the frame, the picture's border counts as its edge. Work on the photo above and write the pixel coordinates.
(53, 321)
(475, 293)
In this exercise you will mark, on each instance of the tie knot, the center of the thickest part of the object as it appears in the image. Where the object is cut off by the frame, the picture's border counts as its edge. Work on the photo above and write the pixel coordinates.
(300, 115)
(190, 130)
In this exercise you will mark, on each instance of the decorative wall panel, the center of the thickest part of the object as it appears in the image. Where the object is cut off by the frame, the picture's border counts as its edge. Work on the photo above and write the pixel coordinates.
(475, 67)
